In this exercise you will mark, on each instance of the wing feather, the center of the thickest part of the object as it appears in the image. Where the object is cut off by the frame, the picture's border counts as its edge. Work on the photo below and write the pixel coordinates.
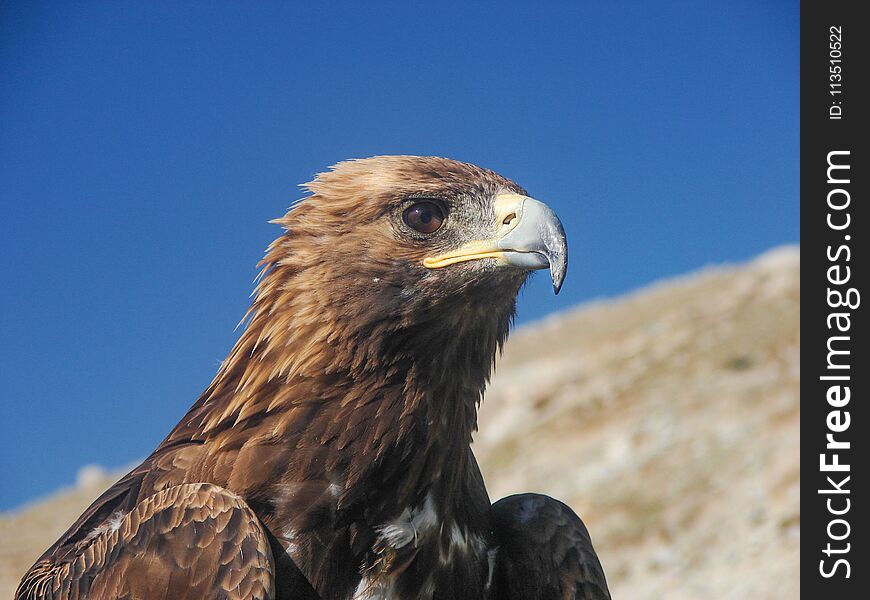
(188, 541)
(544, 552)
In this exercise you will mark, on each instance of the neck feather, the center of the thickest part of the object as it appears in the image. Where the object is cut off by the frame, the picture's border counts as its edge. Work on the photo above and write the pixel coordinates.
(379, 376)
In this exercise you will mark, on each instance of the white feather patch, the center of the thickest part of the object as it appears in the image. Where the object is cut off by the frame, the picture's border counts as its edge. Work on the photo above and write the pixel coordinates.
(412, 524)
(113, 523)
(367, 590)
(461, 542)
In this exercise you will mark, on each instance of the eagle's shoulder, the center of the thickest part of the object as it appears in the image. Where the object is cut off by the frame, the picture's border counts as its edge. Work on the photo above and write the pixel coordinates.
(186, 541)
(544, 551)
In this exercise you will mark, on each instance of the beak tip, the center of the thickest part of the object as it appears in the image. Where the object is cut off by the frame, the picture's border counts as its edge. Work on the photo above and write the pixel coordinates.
(558, 279)
(558, 259)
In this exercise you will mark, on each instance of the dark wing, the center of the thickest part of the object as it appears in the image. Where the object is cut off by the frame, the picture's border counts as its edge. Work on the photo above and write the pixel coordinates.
(184, 542)
(544, 552)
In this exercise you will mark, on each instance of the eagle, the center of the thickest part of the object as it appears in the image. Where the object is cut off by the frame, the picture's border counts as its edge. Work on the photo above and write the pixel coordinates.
(330, 458)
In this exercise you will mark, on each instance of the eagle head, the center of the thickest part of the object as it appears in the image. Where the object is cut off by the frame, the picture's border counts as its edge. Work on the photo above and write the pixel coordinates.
(419, 232)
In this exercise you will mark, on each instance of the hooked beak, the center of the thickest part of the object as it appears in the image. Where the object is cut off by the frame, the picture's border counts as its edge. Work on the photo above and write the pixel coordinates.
(529, 236)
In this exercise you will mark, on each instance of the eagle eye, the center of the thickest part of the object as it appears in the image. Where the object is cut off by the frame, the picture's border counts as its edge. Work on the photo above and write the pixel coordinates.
(424, 216)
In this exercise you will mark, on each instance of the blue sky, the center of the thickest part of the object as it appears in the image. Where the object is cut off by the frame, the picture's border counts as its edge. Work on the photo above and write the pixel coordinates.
(144, 147)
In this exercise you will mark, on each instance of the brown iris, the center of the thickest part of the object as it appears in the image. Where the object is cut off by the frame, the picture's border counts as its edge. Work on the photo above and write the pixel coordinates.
(424, 216)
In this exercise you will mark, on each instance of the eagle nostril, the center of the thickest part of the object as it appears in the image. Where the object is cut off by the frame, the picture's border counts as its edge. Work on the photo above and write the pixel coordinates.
(508, 220)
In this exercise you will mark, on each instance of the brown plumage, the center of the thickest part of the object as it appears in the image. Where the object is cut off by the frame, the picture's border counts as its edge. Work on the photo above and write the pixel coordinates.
(330, 457)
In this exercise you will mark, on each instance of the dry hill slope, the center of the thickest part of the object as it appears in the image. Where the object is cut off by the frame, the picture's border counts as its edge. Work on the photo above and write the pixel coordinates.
(669, 419)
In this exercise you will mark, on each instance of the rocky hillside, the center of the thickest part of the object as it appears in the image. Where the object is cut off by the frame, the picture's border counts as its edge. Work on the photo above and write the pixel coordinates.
(669, 419)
